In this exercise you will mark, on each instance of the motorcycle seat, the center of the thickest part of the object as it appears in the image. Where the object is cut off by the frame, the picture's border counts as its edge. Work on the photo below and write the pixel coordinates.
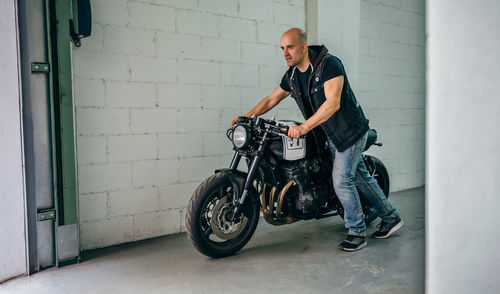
(371, 138)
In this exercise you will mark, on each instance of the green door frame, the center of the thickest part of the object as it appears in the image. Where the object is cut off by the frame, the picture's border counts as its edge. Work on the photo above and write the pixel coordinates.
(63, 133)
(67, 123)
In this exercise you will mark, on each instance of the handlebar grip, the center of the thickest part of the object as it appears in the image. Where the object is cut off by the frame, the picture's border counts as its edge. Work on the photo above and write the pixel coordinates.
(284, 131)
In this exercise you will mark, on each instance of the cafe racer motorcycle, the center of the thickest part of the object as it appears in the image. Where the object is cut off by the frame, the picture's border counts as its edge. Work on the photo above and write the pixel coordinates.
(287, 180)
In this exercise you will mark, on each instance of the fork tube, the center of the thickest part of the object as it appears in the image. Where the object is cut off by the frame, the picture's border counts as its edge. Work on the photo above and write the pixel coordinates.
(255, 164)
(251, 173)
(240, 199)
(238, 203)
(235, 161)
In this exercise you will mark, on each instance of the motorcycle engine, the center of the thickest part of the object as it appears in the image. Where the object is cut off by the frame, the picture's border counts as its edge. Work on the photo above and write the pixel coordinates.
(312, 187)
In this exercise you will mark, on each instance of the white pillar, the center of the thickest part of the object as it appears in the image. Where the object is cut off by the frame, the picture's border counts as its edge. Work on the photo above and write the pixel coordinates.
(12, 228)
(463, 139)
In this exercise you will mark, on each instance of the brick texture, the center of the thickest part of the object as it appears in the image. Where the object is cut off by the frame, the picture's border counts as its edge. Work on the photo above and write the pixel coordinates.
(392, 85)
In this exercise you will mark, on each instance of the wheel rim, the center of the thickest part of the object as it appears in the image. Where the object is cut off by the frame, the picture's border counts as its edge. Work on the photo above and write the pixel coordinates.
(380, 175)
(215, 227)
(378, 178)
(381, 180)
(222, 227)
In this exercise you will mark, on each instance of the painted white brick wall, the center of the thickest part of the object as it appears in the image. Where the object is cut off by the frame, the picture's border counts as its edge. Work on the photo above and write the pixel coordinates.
(392, 85)
(156, 86)
(382, 45)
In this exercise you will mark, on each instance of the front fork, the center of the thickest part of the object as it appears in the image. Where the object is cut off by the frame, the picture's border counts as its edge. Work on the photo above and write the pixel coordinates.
(238, 200)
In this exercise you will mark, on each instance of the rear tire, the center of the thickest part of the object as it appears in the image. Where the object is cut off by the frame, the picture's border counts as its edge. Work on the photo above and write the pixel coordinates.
(207, 227)
(378, 170)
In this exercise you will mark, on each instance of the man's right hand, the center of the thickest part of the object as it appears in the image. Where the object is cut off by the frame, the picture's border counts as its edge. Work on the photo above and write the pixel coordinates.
(234, 121)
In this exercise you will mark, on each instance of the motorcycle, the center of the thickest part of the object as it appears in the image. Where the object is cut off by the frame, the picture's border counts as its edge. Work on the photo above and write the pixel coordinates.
(287, 180)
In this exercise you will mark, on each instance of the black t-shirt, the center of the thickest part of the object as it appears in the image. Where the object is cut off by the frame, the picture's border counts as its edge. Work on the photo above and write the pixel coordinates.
(331, 69)
(303, 78)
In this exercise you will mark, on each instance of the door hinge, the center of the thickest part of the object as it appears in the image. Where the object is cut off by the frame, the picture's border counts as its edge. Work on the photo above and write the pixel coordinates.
(46, 214)
(40, 67)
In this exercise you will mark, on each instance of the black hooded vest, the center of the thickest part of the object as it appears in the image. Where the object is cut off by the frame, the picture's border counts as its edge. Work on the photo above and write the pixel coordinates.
(346, 125)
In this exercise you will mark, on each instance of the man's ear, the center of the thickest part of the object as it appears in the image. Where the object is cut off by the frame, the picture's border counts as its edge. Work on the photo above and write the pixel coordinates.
(304, 47)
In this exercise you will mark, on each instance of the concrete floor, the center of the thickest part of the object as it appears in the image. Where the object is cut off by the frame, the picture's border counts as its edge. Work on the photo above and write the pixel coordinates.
(297, 258)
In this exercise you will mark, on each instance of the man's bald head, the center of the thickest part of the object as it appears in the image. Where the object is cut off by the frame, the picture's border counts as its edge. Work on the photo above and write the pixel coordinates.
(298, 33)
(294, 46)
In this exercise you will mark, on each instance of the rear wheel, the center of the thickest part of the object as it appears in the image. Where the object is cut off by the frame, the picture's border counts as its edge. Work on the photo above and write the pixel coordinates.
(377, 169)
(207, 222)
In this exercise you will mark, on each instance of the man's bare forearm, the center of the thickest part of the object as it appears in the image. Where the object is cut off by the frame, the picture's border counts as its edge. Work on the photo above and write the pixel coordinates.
(268, 102)
(333, 91)
(325, 111)
(261, 108)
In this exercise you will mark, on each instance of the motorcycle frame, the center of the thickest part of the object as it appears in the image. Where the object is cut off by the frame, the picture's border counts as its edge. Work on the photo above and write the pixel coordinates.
(243, 182)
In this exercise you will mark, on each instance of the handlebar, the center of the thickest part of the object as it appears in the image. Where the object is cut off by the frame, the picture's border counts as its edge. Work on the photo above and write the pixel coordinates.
(259, 122)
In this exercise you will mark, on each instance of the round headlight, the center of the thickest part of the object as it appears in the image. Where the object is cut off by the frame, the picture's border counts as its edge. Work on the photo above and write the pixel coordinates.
(240, 136)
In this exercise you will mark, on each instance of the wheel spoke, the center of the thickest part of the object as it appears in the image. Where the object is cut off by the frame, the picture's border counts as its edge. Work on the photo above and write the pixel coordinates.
(208, 231)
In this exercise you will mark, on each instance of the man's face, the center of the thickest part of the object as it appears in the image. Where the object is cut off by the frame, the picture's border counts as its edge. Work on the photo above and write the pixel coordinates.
(293, 51)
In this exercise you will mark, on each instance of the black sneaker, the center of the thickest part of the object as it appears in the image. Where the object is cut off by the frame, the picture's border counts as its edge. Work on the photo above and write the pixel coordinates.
(352, 243)
(385, 229)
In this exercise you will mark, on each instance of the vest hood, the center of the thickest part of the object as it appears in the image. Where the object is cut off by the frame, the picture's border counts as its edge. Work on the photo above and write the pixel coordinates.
(316, 54)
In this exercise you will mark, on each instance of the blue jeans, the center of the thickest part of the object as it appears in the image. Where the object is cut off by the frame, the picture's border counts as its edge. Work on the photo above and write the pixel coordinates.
(349, 171)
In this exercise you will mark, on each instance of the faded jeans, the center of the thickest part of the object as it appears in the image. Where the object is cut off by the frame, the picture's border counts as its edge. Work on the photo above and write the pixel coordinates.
(349, 171)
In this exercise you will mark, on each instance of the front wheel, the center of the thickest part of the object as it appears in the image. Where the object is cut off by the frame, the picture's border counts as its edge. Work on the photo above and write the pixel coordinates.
(207, 222)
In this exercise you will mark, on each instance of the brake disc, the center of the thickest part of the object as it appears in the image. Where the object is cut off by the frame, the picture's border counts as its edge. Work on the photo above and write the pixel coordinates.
(223, 228)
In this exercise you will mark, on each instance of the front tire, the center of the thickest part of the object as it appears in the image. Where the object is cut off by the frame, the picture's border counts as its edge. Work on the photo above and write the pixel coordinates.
(207, 226)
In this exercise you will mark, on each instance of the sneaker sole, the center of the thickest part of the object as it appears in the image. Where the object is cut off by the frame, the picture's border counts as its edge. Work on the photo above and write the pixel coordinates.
(394, 229)
(353, 249)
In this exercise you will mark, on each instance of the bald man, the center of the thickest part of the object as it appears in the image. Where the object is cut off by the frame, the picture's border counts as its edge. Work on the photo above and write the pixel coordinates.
(318, 83)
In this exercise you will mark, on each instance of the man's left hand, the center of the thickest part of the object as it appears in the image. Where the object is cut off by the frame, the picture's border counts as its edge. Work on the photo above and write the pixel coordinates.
(297, 131)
